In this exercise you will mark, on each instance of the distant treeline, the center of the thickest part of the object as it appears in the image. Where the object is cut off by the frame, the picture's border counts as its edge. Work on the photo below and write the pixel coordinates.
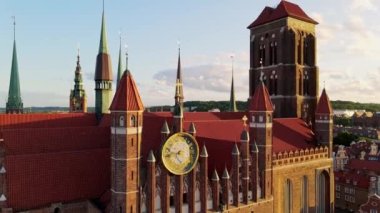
(203, 106)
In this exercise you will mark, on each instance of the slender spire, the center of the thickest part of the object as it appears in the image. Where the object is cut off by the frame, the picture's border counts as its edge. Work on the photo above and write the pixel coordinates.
(126, 57)
(179, 85)
(178, 107)
(233, 107)
(14, 104)
(103, 46)
(120, 65)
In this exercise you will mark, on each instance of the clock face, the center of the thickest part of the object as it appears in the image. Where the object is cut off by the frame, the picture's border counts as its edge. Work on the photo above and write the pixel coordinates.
(179, 153)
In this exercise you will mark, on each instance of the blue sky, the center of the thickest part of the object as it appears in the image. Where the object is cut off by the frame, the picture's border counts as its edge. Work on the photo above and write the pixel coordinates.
(48, 33)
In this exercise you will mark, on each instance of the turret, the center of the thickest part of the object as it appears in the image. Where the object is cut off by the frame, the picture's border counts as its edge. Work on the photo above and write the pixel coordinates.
(324, 122)
(126, 130)
(78, 98)
(261, 122)
(178, 97)
(103, 75)
(14, 103)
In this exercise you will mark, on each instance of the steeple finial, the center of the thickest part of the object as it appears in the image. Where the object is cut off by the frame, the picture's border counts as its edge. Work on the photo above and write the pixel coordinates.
(126, 56)
(14, 27)
(233, 107)
(120, 65)
(103, 47)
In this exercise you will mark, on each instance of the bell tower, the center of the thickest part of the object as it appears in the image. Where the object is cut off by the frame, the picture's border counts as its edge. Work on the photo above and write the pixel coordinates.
(78, 98)
(126, 130)
(283, 48)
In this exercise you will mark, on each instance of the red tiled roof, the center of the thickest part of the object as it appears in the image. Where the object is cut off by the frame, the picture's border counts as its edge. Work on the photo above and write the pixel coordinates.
(369, 165)
(261, 99)
(220, 133)
(290, 134)
(37, 180)
(324, 106)
(30, 141)
(283, 9)
(127, 96)
(361, 180)
(103, 67)
(47, 120)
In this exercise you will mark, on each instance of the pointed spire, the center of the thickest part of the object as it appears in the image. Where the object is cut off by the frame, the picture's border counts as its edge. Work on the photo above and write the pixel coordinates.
(244, 137)
(165, 128)
(103, 46)
(192, 129)
(204, 153)
(14, 104)
(179, 85)
(225, 174)
(120, 66)
(127, 97)
(126, 57)
(261, 100)
(233, 107)
(235, 150)
(324, 106)
(151, 157)
(215, 176)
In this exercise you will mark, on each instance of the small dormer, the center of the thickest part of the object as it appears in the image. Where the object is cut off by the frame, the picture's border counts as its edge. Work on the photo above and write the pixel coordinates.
(3, 198)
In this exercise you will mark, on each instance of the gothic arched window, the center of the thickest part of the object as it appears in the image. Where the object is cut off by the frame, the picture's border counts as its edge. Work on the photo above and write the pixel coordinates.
(133, 121)
(121, 121)
(300, 84)
(304, 195)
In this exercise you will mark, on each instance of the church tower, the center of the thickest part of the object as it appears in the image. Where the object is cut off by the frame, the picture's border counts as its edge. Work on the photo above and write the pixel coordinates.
(126, 130)
(103, 75)
(283, 47)
(178, 97)
(261, 126)
(78, 98)
(14, 103)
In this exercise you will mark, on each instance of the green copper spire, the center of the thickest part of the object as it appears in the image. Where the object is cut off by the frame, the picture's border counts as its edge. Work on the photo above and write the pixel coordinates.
(233, 107)
(120, 66)
(103, 46)
(14, 104)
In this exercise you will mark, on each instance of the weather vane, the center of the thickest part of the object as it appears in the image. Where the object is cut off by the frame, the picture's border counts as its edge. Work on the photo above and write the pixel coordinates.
(244, 119)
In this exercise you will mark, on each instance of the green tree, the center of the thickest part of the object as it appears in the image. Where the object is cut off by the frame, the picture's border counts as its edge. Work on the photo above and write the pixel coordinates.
(345, 138)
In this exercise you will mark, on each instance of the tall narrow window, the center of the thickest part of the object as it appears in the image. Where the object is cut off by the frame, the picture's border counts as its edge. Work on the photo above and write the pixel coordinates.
(306, 84)
(121, 121)
(275, 53)
(288, 195)
(300, 84)
(262, 55)
(323, 195)
(133, 121)
(305, 52)
(271, 53)
(299, 51)
(304, 195)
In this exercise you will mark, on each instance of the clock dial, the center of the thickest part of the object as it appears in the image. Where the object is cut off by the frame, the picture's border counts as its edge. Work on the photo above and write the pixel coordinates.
(179, 153)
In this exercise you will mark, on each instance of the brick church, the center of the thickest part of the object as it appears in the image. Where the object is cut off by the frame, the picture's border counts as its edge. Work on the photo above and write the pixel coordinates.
(275, 156)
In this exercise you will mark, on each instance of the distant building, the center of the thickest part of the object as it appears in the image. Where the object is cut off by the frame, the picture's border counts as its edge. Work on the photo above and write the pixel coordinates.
(367, 132)
(357, 169)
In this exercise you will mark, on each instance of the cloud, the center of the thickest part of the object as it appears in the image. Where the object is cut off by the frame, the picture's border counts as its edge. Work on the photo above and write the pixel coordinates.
(342, 85)
(363, 5)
